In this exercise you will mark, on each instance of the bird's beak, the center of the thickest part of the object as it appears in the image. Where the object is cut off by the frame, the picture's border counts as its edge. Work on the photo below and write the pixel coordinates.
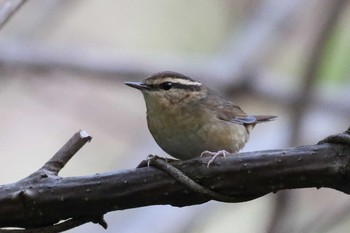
(138, 85)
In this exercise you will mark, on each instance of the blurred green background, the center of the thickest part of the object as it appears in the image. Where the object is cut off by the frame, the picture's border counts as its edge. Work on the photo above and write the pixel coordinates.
(63, 64)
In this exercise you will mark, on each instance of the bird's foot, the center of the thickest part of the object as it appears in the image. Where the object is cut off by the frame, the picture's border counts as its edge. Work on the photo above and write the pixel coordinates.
(147, 162)
(220, 153)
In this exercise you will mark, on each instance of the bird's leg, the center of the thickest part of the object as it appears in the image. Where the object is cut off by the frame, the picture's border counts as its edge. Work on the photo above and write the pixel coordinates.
(149, 158)
(220, 153)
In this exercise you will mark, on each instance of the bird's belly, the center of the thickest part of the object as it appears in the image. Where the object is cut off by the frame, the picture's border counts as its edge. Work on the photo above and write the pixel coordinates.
(189, 138)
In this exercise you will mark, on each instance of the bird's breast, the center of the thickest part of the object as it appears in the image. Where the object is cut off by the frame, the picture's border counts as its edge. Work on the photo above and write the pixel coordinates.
(186, 135)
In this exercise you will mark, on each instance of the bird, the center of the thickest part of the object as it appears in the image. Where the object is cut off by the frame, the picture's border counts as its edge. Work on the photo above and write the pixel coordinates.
(187, 119)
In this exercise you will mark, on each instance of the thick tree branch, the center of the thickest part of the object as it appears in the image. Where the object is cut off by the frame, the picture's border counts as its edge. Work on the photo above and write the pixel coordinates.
(49, 199)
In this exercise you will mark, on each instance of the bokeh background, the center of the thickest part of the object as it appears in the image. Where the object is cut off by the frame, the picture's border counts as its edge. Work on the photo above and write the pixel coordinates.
(63, 64)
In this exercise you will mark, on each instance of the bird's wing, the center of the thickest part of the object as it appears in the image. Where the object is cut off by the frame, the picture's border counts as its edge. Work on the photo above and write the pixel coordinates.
(235, 114)
(232, 113)
(227, 111)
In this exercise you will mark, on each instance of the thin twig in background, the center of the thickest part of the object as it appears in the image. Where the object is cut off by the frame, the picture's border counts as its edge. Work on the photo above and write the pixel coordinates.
(327, 25)
(218, 71)
(244, 53)
(327, 22)
(8, 9)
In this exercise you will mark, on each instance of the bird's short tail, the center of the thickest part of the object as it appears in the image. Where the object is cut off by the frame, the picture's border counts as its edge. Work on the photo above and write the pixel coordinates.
(252, 120)
(264, 118)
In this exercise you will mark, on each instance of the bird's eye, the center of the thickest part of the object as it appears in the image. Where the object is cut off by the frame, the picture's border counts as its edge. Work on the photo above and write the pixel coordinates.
(166, 86)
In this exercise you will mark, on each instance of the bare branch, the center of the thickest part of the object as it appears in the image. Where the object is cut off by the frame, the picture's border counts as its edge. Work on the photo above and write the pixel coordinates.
(49, 199)
(61, 158)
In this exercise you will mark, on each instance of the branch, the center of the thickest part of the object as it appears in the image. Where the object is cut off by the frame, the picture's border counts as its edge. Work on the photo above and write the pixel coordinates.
(49, 199)
(61, 158)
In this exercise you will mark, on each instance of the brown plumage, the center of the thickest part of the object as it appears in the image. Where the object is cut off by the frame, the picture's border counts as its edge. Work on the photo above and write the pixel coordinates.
(187, 118)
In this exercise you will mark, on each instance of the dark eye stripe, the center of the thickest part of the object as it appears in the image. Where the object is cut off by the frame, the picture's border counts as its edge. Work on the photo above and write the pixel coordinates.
(156, 87)
(186, 87)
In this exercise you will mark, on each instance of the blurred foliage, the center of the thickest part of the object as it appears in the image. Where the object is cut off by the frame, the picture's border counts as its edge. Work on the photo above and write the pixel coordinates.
(335, 67)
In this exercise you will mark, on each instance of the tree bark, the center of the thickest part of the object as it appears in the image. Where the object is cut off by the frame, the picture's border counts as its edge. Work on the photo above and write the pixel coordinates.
(43, 198)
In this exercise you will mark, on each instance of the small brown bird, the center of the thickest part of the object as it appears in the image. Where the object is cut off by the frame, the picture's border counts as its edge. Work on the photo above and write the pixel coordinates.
(187, 119)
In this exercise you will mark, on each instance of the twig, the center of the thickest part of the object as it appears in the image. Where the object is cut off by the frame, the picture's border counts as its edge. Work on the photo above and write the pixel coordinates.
(8, 9)
(61, 158)
(160, 163)
(244, 53)
(228, 67)
(66, 225)
(50, 171)
(328, 20)
(60, 227)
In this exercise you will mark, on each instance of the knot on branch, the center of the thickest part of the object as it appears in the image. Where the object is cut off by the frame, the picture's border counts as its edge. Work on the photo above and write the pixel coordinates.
(342, 138)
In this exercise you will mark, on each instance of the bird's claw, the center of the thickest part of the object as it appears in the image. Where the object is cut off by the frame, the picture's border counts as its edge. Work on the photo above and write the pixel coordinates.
(220, 153)
(150, 158)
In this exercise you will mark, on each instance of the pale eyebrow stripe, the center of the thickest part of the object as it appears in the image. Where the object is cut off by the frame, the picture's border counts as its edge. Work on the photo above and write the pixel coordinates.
(180, 81)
